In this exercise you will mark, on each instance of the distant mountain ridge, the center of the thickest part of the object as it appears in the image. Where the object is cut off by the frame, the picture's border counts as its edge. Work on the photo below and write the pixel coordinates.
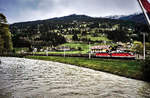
(115, 16)
(72, 16)
(137, 17)
(63, 18)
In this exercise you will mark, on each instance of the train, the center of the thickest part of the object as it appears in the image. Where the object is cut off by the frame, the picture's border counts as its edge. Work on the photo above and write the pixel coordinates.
(123, 55)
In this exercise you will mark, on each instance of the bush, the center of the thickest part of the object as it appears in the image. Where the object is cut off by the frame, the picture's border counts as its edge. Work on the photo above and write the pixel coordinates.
(146, 69)
(79, 48)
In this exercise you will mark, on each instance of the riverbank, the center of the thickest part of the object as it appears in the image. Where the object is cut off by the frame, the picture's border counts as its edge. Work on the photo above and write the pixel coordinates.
(28, 78)
(126, 68)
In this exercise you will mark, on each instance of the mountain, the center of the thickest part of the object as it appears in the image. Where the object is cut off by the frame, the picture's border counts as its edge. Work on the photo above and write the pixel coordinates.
(56, 19)
(137, 17)
(56, 31)
(72, 17)
(69, 19)
(77, 22)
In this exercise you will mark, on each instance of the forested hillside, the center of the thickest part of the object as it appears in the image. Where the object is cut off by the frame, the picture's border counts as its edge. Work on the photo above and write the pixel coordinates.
(56, 31)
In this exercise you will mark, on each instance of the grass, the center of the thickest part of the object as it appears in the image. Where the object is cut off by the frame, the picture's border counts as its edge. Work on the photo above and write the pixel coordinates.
(126, 68)
(20, 49)
(84, 48)
(76, 44)
(99, 38)
(61, 52)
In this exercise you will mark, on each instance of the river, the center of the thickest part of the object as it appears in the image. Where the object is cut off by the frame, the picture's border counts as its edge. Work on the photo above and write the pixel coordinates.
(26, 78)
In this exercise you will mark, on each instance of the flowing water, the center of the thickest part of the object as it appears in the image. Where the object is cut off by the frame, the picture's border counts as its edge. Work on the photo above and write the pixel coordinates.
(25, 78)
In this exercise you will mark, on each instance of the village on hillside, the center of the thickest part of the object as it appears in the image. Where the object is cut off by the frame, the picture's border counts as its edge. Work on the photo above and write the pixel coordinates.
(72, 34)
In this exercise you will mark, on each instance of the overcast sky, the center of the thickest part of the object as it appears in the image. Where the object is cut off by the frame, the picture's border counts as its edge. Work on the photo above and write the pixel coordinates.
(28, 10)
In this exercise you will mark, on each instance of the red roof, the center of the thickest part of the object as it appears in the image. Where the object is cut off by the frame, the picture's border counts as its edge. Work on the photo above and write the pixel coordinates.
(101, 47)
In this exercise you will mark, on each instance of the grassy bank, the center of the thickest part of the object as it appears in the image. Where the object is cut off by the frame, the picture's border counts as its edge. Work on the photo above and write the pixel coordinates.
(127, 68)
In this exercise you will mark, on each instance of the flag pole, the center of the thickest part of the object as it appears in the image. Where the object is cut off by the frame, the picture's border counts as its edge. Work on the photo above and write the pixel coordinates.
(148, 22)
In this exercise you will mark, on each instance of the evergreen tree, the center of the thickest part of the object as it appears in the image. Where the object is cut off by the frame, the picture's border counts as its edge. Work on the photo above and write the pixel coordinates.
(5, 35)
(1, 43)
(75, 37)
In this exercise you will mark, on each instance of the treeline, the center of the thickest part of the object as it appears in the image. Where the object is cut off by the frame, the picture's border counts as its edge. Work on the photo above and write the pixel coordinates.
(38, 40)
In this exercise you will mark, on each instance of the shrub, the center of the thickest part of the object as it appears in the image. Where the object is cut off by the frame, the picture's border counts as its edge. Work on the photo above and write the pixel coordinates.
(79, 48)
(146, 69)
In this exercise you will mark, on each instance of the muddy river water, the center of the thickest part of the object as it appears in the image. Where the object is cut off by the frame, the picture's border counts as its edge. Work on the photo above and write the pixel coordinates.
(25, 78)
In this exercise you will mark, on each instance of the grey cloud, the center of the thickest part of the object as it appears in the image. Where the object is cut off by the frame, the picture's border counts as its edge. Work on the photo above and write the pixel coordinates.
(42, 9)
(102, 7)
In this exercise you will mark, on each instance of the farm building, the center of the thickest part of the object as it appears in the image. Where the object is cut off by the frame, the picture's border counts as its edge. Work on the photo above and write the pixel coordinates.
(100, 48)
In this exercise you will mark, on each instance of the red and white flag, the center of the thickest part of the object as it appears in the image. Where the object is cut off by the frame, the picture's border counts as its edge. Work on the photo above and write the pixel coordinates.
(146, 5)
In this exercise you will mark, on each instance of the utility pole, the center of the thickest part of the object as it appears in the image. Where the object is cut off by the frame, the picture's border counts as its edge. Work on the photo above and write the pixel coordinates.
(89, 51)
(144, 48)
(64, 52)
(38, 30)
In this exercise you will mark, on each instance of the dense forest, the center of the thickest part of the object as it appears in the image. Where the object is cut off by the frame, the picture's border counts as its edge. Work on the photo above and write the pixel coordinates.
(56, 31)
